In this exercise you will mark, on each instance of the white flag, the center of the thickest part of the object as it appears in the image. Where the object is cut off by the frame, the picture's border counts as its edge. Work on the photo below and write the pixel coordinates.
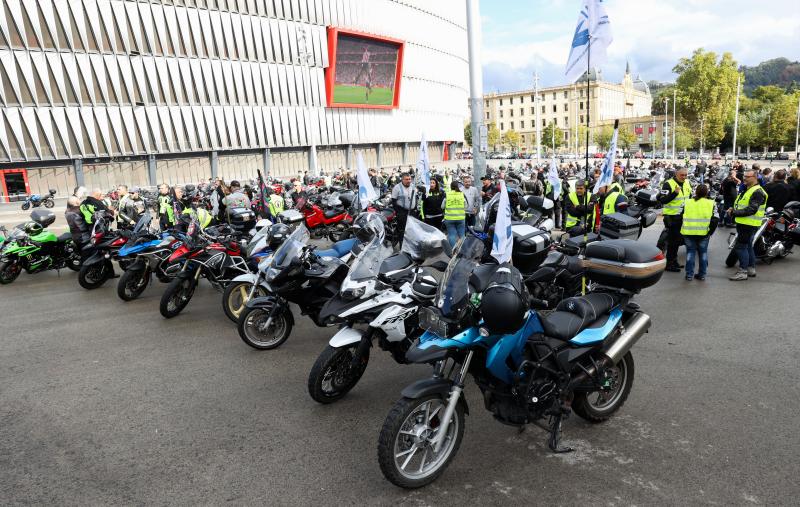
(607, 174)
(366, 192)
(424, 165)
(555, 181)
(593, 29)
(503, 241)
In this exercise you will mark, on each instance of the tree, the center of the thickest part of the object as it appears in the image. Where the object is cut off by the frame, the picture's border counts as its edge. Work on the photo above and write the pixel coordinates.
(493, 136)
(603, 137)
(468, 133)
(684, 138)
(511, 138)
(707, 90)
(582, 137)
(626, 137)
(552, 136)
(747, 134)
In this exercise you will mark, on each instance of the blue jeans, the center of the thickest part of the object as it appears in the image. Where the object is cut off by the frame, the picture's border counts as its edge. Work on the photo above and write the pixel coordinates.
(696, 245)
(455, 231)
(744, 246)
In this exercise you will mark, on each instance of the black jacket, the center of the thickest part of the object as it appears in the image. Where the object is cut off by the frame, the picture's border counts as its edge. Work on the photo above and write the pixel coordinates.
(667, 194)
(778, 194)
(78, 227)
(756, 200)
(432, 205)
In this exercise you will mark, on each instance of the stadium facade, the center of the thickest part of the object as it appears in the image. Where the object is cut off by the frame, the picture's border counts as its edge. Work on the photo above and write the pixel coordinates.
(103, 92)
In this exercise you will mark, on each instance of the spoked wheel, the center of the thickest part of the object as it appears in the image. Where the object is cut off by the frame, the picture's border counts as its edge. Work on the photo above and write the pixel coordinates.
(334, 374)
(9, 271)
(93, 276)
(178, 294)
(260, 332)
(234, 298)
(597, 406)
(405, 448)
(132, 284)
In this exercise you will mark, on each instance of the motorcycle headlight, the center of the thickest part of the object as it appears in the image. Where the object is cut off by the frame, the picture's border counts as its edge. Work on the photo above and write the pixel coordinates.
(271, 274)
(351, 294)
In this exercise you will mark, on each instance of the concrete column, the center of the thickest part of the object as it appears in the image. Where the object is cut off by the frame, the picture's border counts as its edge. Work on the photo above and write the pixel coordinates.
(380, 155)
(475, 86)
(214, 164)
(349, 157)
(77, 164)
(312, 160)
(151, 170)
(405, 153)
(265, 168)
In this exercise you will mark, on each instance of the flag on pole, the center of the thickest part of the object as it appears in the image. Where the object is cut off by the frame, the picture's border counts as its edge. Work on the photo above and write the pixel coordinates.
(593, 28)
(423, 175)
(366, 192)
(552, 176)
(607, 174)
(503, 241)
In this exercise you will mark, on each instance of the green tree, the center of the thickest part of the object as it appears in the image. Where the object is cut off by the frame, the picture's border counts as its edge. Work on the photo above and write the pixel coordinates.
(468, 133)
(552, 136)
(626, 137)
(747, 134)
(603, 137)
(684, 138)
(582, 137)
(707, 90)
(511, 139)
(493, 136)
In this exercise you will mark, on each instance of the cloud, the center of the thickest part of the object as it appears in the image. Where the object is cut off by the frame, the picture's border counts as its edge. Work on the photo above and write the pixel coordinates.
(652, 34)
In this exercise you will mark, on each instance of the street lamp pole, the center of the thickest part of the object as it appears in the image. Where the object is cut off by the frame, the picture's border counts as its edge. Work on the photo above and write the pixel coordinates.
(736, 116)
(666, 124)
(306, 58)
(475, 88)
(674, 120)
(538, 123)
(797, 135)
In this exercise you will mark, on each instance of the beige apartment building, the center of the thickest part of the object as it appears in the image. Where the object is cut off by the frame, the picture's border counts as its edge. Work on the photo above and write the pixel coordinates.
(566, 106)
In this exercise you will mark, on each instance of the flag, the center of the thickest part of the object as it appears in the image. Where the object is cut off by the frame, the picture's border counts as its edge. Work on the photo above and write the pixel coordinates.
(423, 165)
(366, 192)
(555, 181)
(593, 29)
(607, 175)
(503, 241)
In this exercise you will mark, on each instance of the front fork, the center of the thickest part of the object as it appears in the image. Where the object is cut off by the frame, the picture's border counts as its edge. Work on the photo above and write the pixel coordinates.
(452, 402)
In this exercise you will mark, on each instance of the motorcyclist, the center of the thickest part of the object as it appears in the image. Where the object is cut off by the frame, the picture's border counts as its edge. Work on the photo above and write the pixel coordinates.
(78, 227)
(166, 212)
(92, 204)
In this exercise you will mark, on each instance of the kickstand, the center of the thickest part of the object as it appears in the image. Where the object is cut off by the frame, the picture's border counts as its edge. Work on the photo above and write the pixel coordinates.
(554, 440)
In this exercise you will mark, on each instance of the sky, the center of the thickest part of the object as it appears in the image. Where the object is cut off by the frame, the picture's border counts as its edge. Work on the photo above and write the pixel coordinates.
(523, 36)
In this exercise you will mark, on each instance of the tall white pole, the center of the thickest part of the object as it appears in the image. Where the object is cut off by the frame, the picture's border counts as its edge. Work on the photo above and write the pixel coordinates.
(575, 123)
(666, 125)
(475, 86)
(674, 120)
(736, 116)
(306, 56)
(797, 135)
(538, 122)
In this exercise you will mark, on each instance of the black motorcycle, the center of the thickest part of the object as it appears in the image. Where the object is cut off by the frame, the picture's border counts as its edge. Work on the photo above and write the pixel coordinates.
(103, 247)
(774, 239)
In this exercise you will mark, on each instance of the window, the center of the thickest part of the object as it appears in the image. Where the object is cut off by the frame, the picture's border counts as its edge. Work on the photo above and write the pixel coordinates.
(555, 108)
(522, 111)
(566, 106)
(522, 124)
(487, 115)
(511, 113)
(566, 121)
(501, 102)
(581, 118)
(554, 95)
(581, 105)
(486, 103)
(533, 98)
(511, 100)
(543, 110)
(512, 125)
(501, 126)
(501, 114)
(555, 122)
(533, 110)
(566, 94)
(566, 135)
(544, 123)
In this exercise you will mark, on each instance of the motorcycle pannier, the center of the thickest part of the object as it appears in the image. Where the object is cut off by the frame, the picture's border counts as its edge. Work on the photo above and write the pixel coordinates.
(619, 226)
(290, 217)
(624, 264)
(241, 219)
(646, 197)
(531, 246)
(43, 217)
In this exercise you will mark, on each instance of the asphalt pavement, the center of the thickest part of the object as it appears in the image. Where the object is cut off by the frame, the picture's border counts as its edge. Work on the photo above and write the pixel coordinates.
(104, 402)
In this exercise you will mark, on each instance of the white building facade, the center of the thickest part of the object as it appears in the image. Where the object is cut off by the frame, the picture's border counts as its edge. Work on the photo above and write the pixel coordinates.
(104, 92)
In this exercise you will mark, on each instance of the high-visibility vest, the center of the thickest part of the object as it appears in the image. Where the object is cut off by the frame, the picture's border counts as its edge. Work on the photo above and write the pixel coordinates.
(548, 187)
(572, 221)
(744, 200)
(610, 203)
(615, 187)
(455, 206)
(276, 205)
(201, 214)
(697, 215)
(675, 206)
(87, 210)
(165, 208)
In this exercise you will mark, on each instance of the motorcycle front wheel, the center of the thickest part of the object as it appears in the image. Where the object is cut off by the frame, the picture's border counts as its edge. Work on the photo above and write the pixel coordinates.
(93, 276)
(405, 450)
(49, 203)
(334, 374)
(9, 271)
(132, 284)
(257, 330)
(234, 298)
(178, 294)
(26, 206)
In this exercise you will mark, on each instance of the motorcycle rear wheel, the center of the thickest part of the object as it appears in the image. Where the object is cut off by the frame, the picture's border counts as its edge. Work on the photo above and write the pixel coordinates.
(234, 298)
(132, 284)
(177, 295)
(598, 406)
(333, 375)
(49, 203)
(9, 271)
(93, 276)
(250, 325)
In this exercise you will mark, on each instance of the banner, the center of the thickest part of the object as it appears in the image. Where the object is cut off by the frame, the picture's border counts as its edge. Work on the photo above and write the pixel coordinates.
(607, 175)
(593, 30)
(503, 241)
(366, 192)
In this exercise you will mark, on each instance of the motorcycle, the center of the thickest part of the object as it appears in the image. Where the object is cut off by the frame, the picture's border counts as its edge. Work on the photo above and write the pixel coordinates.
(36, 200)
(384, 292)
(295, 273)
(528, 369)
(333, 222)
(35, 249)
(103, 247)
(775, 237)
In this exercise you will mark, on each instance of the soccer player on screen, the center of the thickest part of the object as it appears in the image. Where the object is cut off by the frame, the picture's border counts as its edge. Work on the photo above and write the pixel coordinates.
(366, 67)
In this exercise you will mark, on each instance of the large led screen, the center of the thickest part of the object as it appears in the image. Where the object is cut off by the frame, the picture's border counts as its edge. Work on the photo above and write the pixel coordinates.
(364, 70)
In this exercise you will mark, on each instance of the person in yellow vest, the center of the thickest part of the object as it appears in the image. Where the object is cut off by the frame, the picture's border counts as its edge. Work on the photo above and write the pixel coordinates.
(166, 213)
(202, 216)
(455, 207)
(674, 193)
(747, 211)
(699, 223)
(612, 200)
(581, 212)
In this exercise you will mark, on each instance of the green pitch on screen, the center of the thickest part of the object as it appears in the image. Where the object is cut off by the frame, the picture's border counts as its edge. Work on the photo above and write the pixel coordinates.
(347, 94)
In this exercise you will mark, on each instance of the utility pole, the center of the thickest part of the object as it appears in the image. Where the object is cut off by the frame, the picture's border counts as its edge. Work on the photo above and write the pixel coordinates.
(797, 135)
(666, 124)
(476, 89)
(674, 120)
(306, 58)
(702, 119)
(538, 122)
(736, 116)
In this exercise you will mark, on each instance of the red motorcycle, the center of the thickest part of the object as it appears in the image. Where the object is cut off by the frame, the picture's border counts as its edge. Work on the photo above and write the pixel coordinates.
(332, 222)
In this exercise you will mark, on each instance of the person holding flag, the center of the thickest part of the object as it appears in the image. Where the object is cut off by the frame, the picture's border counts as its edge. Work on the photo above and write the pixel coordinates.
(611, 198)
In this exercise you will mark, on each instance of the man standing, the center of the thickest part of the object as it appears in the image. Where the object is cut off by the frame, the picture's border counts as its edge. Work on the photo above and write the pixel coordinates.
(404, 197)
(699, 222)
(131, 207)
(78, 227)
(577, 211)
(472, 197)
(123, 219)
(92, 204)
(487, 190)
(236, 199)
(166, 213)
(674, 193)
(729, 192)
(747, 212)
(778, 191)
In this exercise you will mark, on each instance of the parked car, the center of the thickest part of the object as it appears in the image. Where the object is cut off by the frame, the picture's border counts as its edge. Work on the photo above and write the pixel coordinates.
(716, 156)
(769, 156)
(756, 156)
(782, 156)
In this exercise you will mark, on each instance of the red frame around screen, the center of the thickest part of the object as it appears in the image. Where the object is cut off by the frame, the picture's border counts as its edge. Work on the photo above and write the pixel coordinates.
(330, 72)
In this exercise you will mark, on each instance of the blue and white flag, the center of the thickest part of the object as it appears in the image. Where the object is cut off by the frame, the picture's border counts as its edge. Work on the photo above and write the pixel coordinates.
(366, 192)
(555, 181)
(593, 29)
(503, 241)
(607, 175)
(424, 165)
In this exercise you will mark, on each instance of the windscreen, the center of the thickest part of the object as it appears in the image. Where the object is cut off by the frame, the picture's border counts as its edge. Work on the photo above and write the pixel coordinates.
(422, 241)
(291, 248)
(453, 292)
(143, 222)
(258, 242)
(368, 263)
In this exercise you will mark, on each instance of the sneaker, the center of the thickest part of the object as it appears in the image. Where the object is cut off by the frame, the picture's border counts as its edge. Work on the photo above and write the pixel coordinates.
(702, 278)
(739, 276)
(674, 268)
(688, 278)
(751, 272)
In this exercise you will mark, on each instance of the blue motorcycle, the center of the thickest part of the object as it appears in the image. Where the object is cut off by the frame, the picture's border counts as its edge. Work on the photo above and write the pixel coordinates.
(150, 253)
(530, 368)
(36, 200)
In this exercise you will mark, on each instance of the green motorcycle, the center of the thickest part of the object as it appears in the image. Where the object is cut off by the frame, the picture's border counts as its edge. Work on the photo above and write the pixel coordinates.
(35, 249)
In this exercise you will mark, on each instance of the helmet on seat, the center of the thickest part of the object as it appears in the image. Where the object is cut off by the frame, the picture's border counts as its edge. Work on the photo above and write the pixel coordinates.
(33, 228)
(504, 303)
(277, 233)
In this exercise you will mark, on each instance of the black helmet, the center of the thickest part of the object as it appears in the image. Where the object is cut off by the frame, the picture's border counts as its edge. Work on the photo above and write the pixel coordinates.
(368, 225)
(505, 302)
(277, 233)
(33, 228)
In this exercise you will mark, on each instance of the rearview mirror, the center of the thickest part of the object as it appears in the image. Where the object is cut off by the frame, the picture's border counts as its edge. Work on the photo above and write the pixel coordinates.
(439, 266)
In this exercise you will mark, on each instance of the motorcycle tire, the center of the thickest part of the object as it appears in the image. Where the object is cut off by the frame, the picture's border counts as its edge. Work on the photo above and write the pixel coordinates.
(325, 372)
(731, 259)
(9, 271)
(234, 298)
(93, 276)
(49, 203)
(26, 206)
(594, 413)
(177, 295)
(132, 284)
(394, 436)
(249, 325)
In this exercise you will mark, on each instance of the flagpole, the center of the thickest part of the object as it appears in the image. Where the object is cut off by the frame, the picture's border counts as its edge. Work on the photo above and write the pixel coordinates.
(674, 121)
(538, 123)
(586, 174)
(736, 116)
(797, 135)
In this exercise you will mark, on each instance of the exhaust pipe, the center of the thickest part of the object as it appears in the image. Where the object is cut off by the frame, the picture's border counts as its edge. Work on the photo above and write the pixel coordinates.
(632, 331)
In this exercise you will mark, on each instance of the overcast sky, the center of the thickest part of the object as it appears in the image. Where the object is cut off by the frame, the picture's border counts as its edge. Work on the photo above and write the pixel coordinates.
(520, 36)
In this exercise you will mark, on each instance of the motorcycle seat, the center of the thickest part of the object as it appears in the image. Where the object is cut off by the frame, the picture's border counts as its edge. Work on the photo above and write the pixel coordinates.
(338, 249)
(67, 236)
(481, 276)
(573, 315)
(330, 213)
